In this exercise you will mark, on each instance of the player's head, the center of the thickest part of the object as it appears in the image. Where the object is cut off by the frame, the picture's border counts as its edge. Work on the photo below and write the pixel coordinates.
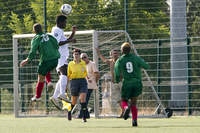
(84, 57)
(114, 54)
(37, 28)
(125, 48)
(61, 21)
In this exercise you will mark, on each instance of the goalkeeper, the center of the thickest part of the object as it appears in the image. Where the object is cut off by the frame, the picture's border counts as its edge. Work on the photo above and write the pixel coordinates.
(47, 46)
(129, 67)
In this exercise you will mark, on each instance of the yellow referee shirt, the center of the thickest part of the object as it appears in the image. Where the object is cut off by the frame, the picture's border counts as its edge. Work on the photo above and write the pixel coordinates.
(76, 71)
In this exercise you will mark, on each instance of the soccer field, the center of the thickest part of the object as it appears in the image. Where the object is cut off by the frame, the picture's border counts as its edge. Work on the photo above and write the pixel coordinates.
(10, 124)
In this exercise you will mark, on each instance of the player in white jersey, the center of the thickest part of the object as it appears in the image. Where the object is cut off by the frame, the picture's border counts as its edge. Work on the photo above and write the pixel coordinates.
(58, 33)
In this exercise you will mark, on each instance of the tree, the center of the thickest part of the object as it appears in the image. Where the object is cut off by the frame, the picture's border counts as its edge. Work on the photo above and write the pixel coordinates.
(148, 19)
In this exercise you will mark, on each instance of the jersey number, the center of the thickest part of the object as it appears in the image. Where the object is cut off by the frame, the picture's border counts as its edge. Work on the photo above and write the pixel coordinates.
(129, 67)
(45, 38)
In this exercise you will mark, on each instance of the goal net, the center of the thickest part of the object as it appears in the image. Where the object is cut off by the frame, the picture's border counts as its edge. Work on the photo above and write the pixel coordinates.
(102, 103)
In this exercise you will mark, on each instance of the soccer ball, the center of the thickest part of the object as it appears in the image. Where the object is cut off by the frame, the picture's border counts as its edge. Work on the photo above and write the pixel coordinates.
(66, 9)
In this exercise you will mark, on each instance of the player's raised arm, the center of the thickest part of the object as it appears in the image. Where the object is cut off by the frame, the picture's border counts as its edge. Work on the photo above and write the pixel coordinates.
(74, 29)
(102, 57)
(71, 37)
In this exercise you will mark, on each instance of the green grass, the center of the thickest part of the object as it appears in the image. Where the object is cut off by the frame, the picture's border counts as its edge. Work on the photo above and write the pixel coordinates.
(10, 124)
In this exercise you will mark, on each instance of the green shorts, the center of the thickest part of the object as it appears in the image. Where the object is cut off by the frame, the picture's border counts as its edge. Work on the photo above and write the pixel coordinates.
(131, 88)
(47, 66)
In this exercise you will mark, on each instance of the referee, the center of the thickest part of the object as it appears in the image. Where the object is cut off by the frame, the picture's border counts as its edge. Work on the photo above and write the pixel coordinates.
(77, 74)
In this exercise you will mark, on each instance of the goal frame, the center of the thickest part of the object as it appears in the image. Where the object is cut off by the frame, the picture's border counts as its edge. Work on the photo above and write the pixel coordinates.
(94, 34)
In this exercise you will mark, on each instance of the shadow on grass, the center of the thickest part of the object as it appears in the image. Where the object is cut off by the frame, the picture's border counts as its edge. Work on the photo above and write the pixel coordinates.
(143, 126)
(172, 126)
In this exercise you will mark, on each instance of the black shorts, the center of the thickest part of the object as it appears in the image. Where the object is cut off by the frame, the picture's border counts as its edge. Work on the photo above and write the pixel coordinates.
(78, 86)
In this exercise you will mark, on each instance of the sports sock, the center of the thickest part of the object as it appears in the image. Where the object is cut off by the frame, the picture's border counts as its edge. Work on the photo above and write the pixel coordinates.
(39, 87)
(48, 77)
(63, 84)
(124, 104)
(84, 109)
(57, 90)
(134, 112)
(72, 106)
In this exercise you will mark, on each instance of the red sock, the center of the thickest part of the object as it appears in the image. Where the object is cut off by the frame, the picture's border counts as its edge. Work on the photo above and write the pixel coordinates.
(134, 112)
(124, 104)
(39, 87)
(48, 77)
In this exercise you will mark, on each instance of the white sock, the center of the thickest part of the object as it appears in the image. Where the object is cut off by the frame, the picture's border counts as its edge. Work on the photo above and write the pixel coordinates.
(63, 84)
(57, 90)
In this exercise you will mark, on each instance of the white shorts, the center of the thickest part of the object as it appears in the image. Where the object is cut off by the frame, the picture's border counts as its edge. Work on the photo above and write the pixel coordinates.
(61, 61)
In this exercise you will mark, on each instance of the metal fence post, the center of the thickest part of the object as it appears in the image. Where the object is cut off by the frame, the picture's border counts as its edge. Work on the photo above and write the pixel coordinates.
(0, 100)
(45, 16)
(158, 67)
(126, 15)
(45, 30)
(189, 78)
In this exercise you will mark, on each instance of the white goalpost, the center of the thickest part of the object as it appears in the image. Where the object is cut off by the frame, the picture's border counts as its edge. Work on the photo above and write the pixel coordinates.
(101, 103)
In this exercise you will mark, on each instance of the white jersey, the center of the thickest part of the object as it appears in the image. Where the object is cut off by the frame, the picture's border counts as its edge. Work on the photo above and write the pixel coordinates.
(58, 33)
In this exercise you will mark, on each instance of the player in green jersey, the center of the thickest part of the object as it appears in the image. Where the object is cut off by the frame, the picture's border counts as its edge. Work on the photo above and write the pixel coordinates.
(47, 46)
(128, 67)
